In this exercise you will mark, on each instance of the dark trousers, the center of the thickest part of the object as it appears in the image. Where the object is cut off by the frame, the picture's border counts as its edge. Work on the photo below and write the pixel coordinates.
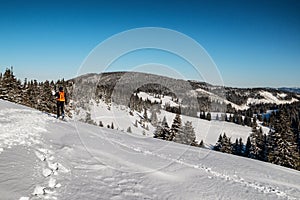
(60, 108)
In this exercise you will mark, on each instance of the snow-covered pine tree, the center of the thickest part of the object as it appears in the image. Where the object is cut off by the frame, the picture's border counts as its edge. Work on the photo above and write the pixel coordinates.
(153, 118)
(190, 135)
(176, 127)
(162, 130)
(219, 144)
(282, 145)
(159, 133)
(257, 143)
(226, 146)
(186, 135)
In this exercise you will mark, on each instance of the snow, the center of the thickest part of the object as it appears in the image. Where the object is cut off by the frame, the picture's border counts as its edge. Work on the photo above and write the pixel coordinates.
(22, 128)
(208, 131)
(164, 100)
(270, 98)
(281, 95)
(267, 98)
(216, 98)
(89, 162)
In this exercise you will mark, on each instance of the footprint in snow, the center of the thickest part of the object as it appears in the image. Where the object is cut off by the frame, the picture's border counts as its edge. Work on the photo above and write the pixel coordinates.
(49, 170)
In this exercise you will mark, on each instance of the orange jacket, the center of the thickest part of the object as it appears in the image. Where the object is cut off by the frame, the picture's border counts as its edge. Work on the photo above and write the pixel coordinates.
(61, 96)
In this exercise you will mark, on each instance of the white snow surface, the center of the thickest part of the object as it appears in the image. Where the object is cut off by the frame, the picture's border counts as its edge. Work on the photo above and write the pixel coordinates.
(164, 100)
(89, 162)
(270, 98)
(208, 131)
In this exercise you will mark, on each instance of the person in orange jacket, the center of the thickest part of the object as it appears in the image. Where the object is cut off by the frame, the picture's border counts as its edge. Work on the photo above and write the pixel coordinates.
(61, 99)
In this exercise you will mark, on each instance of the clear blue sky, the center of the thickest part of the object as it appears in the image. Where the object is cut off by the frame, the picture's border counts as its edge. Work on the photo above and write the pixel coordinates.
(253, 43)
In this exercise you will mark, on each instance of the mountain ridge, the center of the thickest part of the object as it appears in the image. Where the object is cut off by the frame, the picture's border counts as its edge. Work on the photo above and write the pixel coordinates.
(238, 96)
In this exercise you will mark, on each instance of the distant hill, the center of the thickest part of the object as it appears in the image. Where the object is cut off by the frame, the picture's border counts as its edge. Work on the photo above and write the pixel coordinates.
(293, 90)
(208, 97)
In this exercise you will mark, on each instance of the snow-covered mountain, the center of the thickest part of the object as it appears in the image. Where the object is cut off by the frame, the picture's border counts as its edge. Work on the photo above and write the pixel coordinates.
(120, 85)
(119, 99)
(45, 158)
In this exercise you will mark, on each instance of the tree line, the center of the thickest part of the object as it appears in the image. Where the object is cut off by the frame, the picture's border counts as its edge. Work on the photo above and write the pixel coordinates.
(31, 93)
(281, 145)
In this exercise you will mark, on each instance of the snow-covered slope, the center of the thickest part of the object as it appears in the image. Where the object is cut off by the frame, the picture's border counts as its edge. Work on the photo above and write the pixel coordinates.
(270, 98)
(45, 158)
(208, 131)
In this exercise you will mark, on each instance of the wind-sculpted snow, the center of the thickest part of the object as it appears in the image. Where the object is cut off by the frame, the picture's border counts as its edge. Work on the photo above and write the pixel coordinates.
(23, 127)
(20, 127)
(73, 160)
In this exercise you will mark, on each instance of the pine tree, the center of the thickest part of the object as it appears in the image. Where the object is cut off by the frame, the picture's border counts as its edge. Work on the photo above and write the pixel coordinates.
(264, 151)
(247, 148)
(254, 123)
(241, 147)
(218, 145)
(190, 136)
(159, 133)
(129, 130)
(201, 144)
(112, 125)
(162, 131)
(247, 121)
(223, 144)
(153, 118)
(236, 147)
(145, 115)
(226, 146)
(186, 135)
(136, 123)
(176, 127)
(257, 144)
(208, 116)
(202, 115)
(231, 118)
(239, 120)
(282, 145)
(225, 118)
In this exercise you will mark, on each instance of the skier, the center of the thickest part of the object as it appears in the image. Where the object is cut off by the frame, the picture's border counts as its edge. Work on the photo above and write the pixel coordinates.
(61, 99)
